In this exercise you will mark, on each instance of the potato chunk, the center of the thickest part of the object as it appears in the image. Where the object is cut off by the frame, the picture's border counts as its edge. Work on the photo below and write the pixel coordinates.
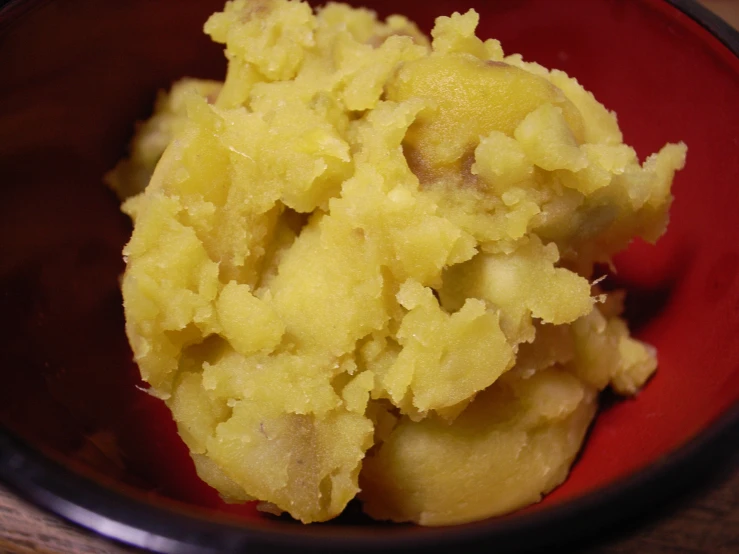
(515, 441)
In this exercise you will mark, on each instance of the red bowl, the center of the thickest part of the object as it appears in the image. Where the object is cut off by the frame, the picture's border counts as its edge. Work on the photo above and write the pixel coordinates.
(80, 438)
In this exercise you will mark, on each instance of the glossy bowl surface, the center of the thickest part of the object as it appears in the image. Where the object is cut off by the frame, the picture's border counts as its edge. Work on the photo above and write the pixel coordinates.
(79, 437)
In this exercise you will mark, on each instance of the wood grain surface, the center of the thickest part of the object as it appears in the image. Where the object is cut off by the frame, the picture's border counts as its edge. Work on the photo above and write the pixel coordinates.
(705, 519)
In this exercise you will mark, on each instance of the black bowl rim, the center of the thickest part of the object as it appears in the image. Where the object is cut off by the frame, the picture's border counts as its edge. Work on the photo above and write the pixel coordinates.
(116, 515)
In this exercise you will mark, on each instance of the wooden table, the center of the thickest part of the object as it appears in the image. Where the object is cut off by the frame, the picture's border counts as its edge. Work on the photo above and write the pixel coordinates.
(704, 520)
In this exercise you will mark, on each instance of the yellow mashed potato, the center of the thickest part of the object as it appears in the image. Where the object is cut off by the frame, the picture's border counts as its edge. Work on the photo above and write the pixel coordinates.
(363, 264)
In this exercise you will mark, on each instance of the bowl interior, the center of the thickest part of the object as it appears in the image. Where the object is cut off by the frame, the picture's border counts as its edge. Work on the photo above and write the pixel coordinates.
(76, 74)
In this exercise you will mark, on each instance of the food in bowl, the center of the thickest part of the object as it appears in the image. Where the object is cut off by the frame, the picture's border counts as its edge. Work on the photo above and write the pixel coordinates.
(365, 264)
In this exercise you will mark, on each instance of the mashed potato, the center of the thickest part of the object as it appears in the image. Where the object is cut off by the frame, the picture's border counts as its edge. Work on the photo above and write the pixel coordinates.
(363, 264)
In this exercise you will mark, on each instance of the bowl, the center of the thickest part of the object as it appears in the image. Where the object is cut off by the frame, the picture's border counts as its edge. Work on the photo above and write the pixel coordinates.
(80, 437)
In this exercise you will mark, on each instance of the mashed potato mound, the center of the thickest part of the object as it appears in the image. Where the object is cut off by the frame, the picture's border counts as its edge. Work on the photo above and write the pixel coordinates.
(363, 264)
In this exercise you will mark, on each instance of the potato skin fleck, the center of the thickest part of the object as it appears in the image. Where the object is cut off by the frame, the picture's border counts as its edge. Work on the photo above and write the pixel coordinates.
(362, 264)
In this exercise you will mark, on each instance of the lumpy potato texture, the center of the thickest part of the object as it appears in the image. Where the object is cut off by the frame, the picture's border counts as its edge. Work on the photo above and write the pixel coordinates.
(363, 264)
